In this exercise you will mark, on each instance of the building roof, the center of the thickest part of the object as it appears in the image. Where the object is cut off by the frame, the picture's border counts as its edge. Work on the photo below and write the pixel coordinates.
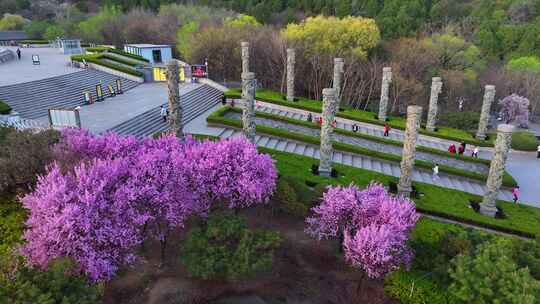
(13, 35)
(147, 46)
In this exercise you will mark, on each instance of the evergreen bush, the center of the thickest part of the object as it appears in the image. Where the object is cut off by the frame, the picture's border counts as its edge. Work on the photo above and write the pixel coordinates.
(524, 140)
(4, 108)
(225, 248)
(460, 120)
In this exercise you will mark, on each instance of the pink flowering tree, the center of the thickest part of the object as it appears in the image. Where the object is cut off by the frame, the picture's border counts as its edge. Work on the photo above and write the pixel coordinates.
(231, 171)
(120, 191)
(86, 215)
(515, 108)
(374, 224)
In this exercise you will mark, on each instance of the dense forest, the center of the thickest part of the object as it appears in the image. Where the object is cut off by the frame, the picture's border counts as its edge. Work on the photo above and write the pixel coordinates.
(469, 43)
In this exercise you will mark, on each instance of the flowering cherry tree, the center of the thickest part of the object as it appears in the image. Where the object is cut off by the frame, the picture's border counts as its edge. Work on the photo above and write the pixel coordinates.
(123, 191)
(86, 215)
(515, 108)
(374, 224)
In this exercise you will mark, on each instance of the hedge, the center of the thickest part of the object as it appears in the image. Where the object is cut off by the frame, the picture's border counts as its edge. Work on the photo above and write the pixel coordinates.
(34, 42)
(217, 117)
(524, 140)
(96, 59)
(118, 59)
(362, 116)
(98, 49)
(126, 54)
(4, 108)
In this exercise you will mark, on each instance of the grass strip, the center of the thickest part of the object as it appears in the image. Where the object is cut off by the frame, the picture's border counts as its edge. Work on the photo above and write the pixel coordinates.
(521, 220)
(360, 115)
(217, 118)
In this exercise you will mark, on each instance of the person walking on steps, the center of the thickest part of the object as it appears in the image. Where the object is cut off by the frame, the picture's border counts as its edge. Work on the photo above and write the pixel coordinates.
(309, 117)
(224, 100)
(163, 113)
(475, 152)
(515, 193)
(538, 152)
(452, 149)
(355, 128)
(386, 129)
(19, 53)
(436, 172)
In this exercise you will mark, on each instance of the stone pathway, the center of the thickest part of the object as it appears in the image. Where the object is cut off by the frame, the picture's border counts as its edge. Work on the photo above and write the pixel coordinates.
(369, 144)
(369, 163)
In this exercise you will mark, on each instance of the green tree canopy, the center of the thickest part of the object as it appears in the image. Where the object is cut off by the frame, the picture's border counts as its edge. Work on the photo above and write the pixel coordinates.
(335, 36)
(524, 64)
(12, 22)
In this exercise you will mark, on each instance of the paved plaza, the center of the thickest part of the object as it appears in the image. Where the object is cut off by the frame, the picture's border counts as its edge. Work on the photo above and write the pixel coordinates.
(52, 64)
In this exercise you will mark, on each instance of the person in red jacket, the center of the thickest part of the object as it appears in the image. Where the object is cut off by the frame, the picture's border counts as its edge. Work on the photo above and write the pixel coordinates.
(452, 149)
(386, 129)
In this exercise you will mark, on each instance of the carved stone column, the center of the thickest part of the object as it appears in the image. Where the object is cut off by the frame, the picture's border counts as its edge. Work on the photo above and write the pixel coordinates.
(175, 108)
(291, 61)
(436, 88)
(245, 57)
(489, 96)
(249, 85)
(339, 65)
(414, 115)
(330, 105)
(496, 170)
(383, 103)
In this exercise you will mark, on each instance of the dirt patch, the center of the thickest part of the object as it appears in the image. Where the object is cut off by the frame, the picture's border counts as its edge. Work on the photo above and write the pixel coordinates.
(304, 271)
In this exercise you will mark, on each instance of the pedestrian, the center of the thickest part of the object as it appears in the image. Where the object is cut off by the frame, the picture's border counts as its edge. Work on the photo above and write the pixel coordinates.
(461, 149)
(386, 129)
(224, 100)
(309, 117)
(460, 105)
(475, 152)
(232, 103)
(355, 129)
(19, 53)
(334, 123)
(163, 113)
(538, 152)
(436, 172)
(452, 149)
(515, 193)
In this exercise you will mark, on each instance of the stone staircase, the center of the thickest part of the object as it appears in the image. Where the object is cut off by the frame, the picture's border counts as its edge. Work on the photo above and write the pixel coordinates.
(33, 99)
(194, 103)
(368, 163)
(374, 130)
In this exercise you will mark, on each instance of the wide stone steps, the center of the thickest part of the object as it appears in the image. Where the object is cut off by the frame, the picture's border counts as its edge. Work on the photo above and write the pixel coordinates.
(368, 163)
(33, 99)
(365, 128)
(194, 103)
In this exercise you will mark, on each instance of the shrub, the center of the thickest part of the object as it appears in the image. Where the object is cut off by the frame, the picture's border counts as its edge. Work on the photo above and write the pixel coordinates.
(126, 54)
(460, 120)
(4, 108)
(24, 155)
(524, 140)
(527, 254)
(96, 59)
(58, 284)
(286, 199)
(224, 248)
(415, 288)
(491, 276)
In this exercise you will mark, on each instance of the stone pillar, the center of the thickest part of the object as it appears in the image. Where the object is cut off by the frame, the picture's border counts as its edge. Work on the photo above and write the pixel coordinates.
(245, 57)
(291, 61)
(249, 84)
(489, 96)
(414, 115)
(436, 88)
(330, 105)
(175, 108)
(339, 64)
(383, 103)
(496, 170)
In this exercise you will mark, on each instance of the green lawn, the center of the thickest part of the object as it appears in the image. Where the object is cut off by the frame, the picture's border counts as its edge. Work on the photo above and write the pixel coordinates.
(360, 115)
(217, 118)
(444, 202)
